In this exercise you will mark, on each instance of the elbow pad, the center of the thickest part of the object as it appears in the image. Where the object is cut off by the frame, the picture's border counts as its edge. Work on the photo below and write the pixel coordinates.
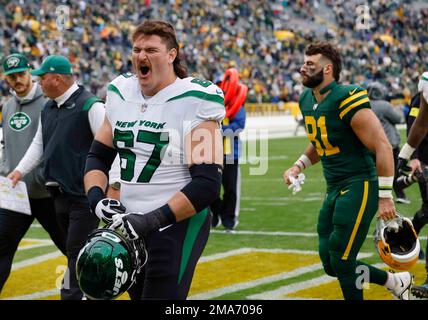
(100, 157)
(205, 186)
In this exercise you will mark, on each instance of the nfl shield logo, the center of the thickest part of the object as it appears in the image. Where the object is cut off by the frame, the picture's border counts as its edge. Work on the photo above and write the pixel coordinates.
(143, 107)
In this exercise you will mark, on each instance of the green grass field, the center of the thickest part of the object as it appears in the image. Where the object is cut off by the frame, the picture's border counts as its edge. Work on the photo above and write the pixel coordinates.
(277, 230)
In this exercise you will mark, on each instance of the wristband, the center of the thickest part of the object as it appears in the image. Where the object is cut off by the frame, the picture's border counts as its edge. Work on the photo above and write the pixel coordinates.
(95, 194)
(303, 162)
(385, 187)
(406, 151)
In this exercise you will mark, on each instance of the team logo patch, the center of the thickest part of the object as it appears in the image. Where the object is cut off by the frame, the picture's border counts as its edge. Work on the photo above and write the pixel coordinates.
(143, 107)
(19, 121)
(12, 62)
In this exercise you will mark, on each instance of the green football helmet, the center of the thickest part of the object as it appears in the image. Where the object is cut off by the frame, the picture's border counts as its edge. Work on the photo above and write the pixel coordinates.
(108, 264)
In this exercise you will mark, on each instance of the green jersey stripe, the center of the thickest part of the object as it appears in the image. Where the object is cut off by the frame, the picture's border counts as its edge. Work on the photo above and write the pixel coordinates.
(114, 89)
(88, 104)
(200, 95)
(195, 225)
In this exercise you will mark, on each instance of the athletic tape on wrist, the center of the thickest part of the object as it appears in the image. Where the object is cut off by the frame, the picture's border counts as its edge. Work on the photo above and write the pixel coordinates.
(406, 151)
(303, 162)
(385, 186)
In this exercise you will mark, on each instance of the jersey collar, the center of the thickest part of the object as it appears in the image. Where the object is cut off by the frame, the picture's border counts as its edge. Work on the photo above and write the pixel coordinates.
(328, 87)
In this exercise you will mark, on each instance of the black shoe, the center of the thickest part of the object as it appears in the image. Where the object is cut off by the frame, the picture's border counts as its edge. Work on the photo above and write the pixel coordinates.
(216, 221)
(230, 226)
(421, 291)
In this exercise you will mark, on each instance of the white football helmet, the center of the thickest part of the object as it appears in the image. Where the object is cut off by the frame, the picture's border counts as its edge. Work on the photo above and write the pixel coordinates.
(397, 242)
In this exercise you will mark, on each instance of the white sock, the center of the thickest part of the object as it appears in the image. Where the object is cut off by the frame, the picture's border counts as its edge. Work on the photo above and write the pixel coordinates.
(390, 281)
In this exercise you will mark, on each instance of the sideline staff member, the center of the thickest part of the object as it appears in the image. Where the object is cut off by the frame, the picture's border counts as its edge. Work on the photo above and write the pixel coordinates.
(21, 115)
(65, 133)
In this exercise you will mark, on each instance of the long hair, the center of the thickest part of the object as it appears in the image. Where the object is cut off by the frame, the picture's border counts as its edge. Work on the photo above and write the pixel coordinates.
(167, 33)
(328, 51)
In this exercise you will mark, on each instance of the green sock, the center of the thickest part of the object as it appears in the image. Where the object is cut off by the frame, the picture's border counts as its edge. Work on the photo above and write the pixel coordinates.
(377, 276)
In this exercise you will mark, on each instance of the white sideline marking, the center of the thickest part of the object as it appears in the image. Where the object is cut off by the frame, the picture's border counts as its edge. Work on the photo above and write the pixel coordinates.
(269, 233)
(251, 284)
(282, 292)
(230, 253)
(41, 243)
(33, 246)
(36, 260)
(36, 295)
(38, 240)
(205, 295)
(281, 233)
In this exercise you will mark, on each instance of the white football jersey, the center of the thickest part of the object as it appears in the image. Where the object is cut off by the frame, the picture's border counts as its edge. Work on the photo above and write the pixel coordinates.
(149, 135)
(423, 85)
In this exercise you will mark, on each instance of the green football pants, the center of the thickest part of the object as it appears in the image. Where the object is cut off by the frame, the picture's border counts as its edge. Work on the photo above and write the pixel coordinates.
(343, 224)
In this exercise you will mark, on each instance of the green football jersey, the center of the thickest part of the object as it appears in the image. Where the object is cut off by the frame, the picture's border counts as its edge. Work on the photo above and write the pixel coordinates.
(344, 158)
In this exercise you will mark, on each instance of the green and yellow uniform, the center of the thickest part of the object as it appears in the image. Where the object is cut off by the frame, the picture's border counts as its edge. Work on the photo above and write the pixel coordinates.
(352, 187)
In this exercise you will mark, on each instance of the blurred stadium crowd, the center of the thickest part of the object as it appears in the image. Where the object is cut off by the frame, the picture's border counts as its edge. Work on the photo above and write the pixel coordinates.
(264, 40)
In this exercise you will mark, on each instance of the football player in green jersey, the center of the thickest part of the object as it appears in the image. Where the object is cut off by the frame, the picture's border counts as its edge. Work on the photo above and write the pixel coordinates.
(348, 139)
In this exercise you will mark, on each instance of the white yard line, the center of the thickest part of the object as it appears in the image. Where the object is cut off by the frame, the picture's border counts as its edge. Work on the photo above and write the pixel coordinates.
(268, 233)
(235, 252)
(204, 295)
(33, 246)
(36, 260)
(254, 283)
(282, 292)
(40, 243)
(281, 233)
(38, 240)
(251, 284)
(36, 295)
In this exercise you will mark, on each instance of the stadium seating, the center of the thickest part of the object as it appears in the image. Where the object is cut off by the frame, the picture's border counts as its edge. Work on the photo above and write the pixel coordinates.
(264, 40)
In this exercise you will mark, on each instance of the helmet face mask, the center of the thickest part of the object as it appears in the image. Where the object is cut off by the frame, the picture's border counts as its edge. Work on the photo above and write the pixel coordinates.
(108, 264)
(397, 243)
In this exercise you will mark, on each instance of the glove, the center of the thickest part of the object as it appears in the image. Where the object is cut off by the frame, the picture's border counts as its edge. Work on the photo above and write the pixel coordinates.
(103, 207)
(403, 167)
(134, 225)
(296, 183)
(124, 223)
(107, 208)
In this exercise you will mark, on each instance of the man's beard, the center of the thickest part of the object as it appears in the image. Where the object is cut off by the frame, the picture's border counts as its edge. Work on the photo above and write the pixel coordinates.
(315, 80)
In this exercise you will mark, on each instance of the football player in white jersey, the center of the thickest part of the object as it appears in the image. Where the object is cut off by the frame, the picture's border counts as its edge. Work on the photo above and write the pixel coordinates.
(166, 128)
(418, 131)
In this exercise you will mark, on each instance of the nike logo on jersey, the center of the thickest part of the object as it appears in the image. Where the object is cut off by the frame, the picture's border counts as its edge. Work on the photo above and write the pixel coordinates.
(218, 91)
(352, 92)
(342, 192)
(315, 106)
